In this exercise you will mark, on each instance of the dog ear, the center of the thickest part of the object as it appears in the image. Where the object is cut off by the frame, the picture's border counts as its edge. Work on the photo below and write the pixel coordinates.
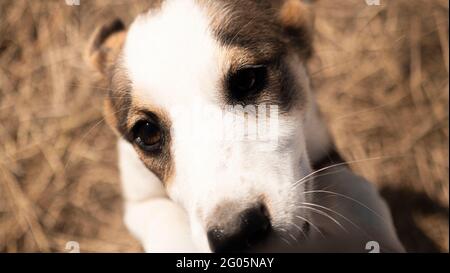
(105, 45)
(296, 17)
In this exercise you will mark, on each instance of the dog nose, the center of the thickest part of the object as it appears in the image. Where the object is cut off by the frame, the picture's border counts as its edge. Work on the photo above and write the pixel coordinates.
(239, 231)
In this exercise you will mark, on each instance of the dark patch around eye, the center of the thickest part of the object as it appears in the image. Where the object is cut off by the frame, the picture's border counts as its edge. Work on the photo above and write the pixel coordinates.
(150, 136)
(245, 84)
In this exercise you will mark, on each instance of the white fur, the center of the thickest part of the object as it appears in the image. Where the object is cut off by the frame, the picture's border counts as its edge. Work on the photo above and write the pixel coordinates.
(172, 59)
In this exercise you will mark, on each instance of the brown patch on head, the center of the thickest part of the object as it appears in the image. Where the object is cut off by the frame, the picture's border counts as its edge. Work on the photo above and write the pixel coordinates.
(247, 24)
(261, 33)
(266, 27)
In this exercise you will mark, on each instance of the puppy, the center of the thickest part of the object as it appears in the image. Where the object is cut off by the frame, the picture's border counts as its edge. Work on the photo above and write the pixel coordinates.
(287, 192)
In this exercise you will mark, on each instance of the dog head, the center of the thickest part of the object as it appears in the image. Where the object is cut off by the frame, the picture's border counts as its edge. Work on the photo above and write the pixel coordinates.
(184, 67)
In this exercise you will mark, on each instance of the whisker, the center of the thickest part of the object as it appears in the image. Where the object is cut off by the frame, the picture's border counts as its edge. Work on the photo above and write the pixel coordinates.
(287, 241)
(284, 240)
(343, 164)
(337, 213)
(344, 217)
(326, 215)
(312, 225)
(293, 237)
(349, 198)
(300, 229)
(315, 176)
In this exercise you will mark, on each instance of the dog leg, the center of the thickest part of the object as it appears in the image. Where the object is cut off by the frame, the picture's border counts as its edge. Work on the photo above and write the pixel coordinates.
(159, 223)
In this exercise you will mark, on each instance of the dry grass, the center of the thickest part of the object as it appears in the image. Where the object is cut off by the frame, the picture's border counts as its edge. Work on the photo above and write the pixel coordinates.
(381, 74)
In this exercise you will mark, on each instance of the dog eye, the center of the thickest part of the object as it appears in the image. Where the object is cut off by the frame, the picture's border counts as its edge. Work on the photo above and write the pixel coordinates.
(147, 135)
(247, 81)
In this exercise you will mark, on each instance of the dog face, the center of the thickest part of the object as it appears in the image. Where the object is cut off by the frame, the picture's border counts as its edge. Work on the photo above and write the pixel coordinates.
(177, 73)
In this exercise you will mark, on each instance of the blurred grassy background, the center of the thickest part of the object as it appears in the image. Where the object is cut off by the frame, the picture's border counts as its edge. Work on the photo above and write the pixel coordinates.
(381, 78)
